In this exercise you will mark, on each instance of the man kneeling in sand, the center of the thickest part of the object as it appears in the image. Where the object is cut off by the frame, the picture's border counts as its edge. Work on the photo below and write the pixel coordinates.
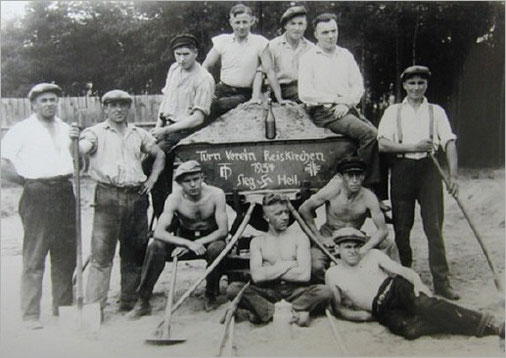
(193, 224)
(347, 204)
(372, 286)
(280, 268)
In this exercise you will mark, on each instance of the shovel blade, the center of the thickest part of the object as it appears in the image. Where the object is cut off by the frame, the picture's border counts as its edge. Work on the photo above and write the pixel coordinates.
(88, 318)
(158, 341)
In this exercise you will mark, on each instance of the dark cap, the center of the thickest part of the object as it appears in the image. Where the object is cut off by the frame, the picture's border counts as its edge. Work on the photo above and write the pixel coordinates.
(116, 96)
(349, 234)
(415, 70)
(351, 164)
(189, 167)
(43, 87)
(184, 40)
(291, 12)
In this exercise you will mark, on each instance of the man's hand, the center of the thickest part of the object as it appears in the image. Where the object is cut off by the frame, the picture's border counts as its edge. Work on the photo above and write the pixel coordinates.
(453, 187)
(74, 132)
(158, 132)
(425, 145)
(419, 287)
(147, 186)
(340, 111)
(197, 248)
(179, 251)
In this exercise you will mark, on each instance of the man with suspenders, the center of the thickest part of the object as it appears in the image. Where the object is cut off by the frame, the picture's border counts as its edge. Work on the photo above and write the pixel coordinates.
(410, 130)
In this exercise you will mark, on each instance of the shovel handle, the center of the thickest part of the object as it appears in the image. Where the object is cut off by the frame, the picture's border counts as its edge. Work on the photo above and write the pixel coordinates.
(168, 308)
(497, 281)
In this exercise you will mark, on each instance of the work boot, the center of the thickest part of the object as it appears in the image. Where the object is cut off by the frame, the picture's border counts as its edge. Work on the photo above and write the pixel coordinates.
(33, 324)
(141, 308)
(446, 291)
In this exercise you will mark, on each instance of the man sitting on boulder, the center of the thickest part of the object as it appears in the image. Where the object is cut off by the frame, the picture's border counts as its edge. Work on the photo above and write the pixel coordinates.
(372, 286)
(280, 266)
(193, 225)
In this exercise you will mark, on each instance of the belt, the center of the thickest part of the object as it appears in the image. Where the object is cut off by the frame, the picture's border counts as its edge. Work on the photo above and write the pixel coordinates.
(128, 188)
(193, 234)
(382, 294)
(59, 179)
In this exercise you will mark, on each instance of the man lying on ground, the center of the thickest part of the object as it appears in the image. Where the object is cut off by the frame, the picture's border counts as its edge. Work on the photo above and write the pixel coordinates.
(280, 268)
(372, 286)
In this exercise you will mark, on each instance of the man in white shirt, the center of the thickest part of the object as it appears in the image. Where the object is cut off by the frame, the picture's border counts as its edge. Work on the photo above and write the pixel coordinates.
(36, 153)
(240, 55)
(330, 84)
(411, 130)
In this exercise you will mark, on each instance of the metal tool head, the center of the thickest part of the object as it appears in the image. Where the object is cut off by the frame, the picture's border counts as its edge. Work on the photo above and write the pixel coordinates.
(158, 341)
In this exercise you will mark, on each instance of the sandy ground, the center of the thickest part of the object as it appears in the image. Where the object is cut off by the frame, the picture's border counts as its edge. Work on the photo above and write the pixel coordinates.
(482, 192)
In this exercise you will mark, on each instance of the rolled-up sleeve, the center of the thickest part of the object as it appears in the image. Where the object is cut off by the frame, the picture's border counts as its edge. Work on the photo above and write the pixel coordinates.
(443, 128)
(90, 136)
(147, 140)
(11, 144)
(386, 128)
(204, 94)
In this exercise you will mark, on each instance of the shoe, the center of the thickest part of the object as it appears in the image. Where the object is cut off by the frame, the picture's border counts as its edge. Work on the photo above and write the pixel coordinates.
(141, 308)
(210, 303)
(33, 324)
(446, 291)
(125, 307)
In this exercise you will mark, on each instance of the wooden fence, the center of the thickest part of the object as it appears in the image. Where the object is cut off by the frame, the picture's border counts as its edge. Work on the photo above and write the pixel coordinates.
(85, 110)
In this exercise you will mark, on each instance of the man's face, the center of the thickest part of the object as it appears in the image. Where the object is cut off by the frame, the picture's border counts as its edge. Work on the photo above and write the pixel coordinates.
(117, 111)
(185, 56)
(192, 184)
(349, 252)
(353, 180)
(277, 215)
(241, 24)
(296, 27)
(326, 33)
(45, 104)
(415, 87)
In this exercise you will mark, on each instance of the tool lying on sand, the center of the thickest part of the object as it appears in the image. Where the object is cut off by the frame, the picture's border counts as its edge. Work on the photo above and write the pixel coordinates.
(165, 337)
(85, 317)
(340, 342)
(228, 320)
(497, 280)
(216, 261)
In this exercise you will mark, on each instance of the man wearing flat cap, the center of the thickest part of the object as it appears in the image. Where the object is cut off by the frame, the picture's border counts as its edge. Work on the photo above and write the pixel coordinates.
(347, 205)
(187, 98)
(286, 50)
(240, 55)
(194, 224)
(116, 149)
(371, 286)
(36, 153)
(411, 130)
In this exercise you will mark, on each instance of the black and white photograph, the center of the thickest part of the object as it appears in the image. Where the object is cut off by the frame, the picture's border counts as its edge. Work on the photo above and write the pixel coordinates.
(252, 179)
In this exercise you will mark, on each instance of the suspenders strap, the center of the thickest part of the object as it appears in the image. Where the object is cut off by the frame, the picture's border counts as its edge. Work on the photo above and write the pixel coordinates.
(399, 124)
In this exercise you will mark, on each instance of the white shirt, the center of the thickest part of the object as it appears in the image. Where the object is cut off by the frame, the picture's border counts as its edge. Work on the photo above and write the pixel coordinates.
(416, 126)
(34, 152)
(323, 77)
(239, 60)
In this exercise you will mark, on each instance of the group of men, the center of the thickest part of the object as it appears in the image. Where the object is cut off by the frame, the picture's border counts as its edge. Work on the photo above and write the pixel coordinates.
(127, 163)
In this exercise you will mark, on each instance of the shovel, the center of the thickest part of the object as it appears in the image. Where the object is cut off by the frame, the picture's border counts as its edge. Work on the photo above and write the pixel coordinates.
(165, 337)
(80, 316)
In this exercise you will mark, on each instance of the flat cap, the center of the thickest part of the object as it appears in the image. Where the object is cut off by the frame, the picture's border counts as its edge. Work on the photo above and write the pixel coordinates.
(43, 87)
(189, 167)
(183, 40)
(351, 164)
(291, 12)
(415, 70)
(349, 234)
(116, 95)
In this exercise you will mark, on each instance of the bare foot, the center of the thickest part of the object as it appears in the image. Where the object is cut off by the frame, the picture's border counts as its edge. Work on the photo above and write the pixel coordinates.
(302, 319)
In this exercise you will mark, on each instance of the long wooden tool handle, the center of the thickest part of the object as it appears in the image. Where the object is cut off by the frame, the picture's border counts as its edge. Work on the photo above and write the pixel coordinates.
(497, 281)
(229, 315)
(79, 258)
(337, 335)
(170, 297)
(309, 233)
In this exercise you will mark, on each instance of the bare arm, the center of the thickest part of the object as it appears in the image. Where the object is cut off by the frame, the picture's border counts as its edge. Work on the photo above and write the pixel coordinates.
(10, 173)
(256, 93)
(340, 309)
(261, 271)
(388, 146)
(220, 215)
(192, 121)
(211, 60)
(266, 60)
(378, 219)
(158, 166)
(164, 222)
(301, 272)
(452, 158)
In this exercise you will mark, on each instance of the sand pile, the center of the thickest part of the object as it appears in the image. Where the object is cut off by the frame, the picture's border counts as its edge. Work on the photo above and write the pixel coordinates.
(245, 123)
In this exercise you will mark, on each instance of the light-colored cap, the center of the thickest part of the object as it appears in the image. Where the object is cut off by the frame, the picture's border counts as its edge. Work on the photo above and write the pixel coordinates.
(116, 95)
(43, 87)
(189, 167)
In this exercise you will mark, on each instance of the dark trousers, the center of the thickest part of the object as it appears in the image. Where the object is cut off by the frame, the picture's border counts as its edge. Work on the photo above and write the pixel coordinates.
(363, 133)
(412, 181)
(227, 98)
(120, 214)
(411, 317)
(159, 252)
(260, 299)
(47, 212)
(163, 186)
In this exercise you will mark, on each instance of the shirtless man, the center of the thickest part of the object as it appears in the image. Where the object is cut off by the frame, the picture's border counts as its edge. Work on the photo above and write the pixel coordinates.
(347, 204)
(280, 266)
(193, 224)
(372, 286)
